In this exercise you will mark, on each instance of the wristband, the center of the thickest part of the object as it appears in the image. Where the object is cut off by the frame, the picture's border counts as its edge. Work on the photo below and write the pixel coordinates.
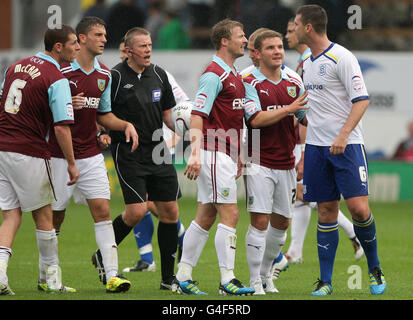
(100, 133)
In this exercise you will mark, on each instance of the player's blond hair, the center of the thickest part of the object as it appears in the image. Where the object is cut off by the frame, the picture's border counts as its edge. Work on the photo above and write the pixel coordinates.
(223, 30)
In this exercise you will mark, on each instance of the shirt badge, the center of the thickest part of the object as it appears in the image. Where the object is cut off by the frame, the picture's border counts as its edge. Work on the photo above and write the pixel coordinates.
(156, 95)
(292, 92)
(101, 84)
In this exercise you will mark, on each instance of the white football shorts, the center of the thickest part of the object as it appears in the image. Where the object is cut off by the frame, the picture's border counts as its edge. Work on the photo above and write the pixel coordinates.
(216, 182)
(270, 190)
(93, 182)
(297, 153)
(25, 182)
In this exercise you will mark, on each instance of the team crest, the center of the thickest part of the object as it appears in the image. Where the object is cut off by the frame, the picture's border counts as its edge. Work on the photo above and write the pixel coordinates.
(101, 84)
(322, 70)
(292, 91)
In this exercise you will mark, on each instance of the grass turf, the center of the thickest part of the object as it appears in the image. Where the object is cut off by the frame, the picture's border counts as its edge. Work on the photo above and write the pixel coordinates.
(394, 222)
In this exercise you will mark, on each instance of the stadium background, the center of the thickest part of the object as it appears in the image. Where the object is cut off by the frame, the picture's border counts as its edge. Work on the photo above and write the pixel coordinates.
(384, 48)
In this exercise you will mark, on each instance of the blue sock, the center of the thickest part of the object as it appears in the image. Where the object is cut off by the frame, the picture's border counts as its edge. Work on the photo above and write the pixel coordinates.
(181, 233)
(366, 233)
(327, 242)
(143, 232)
(278, 259)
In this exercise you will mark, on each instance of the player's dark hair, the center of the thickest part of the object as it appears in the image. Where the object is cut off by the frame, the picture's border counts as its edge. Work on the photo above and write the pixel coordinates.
(84, 25)
(265, 35)
(134, 32)
(315, 15)
(53, 36)
(223, 29)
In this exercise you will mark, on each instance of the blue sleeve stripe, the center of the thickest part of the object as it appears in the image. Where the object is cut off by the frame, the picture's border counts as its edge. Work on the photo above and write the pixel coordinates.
(60, 100)
(104, 103)
(360, 98)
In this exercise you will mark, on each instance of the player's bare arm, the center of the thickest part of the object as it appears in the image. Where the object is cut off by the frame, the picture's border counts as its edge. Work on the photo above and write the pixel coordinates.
(111, 122)
(193, 166)
(64, 138)
(357, 111)
(267, 118)
(166, 117)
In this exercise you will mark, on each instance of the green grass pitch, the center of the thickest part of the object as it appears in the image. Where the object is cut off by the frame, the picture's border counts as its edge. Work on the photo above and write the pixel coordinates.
(394, 223)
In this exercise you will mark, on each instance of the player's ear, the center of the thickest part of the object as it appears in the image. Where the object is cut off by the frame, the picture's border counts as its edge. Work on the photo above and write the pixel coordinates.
(81, 38)
(58, 46)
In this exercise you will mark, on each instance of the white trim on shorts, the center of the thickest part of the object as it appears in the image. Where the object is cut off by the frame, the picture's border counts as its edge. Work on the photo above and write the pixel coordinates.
(93, 182)
(24, 182)
(216, 182)
(270, 190)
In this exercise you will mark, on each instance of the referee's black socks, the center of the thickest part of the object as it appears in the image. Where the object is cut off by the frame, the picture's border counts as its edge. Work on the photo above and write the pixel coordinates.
(168, 244)
(121, 229)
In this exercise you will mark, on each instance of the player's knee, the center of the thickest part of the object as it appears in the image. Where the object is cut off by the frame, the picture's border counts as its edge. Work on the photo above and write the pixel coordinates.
(359, 208)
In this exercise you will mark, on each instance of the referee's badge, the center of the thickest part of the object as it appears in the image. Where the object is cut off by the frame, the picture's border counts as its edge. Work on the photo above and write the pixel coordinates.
(156, 95)
(292, 92)
(101, 84)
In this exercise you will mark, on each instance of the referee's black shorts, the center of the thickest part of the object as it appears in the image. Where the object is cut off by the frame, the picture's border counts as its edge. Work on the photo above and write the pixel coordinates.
(141, 181)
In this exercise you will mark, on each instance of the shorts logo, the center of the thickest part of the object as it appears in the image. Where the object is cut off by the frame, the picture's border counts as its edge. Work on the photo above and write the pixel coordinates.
(304, 189)
(250, 200)
(101, 84)
(156, 95)
(225, 192)
(200, 101)
(292, 91)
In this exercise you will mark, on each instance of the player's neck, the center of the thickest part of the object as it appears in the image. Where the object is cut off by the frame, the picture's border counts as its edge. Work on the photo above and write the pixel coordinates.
(273, 74)
(301, 48)
(55, 56)
(85, 60)
(227, 58)
(319, 44)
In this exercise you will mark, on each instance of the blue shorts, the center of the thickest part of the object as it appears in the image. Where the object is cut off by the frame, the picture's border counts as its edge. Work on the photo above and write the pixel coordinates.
(327, 177)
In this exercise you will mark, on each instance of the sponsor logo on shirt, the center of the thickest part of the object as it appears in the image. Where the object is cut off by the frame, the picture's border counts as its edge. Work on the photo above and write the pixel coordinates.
(238, 103)
(314, 86)
(156, 95)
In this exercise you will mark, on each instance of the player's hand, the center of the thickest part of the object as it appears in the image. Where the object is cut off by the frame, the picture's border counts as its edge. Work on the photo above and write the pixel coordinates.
(73, 174)
(300, 169)
(78, 101)
(130, 133)
(104, 141)
(193, 167)
(339, 145)
(298, 104)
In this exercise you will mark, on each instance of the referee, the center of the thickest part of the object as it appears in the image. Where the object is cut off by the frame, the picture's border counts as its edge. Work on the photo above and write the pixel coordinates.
(141, 93)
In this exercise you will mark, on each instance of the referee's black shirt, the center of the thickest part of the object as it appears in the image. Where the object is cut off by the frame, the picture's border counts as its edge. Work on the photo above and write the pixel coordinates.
(140, 100)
